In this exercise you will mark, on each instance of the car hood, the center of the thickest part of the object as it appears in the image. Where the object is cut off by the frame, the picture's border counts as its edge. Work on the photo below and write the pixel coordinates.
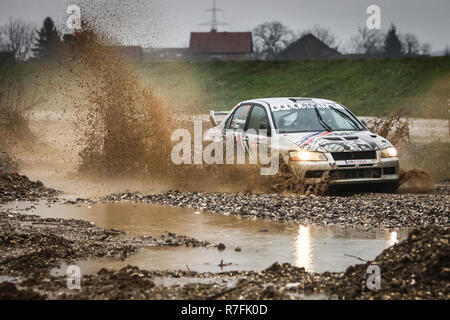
(337, 141)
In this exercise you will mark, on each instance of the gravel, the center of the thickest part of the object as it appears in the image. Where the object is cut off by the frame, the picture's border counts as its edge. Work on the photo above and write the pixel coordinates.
(33, 245)
(14, 186)
(365, 211)
(417, 268)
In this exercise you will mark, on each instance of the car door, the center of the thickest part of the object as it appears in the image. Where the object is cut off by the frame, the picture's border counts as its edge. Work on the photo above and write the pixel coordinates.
(255, 137)
(235, 128)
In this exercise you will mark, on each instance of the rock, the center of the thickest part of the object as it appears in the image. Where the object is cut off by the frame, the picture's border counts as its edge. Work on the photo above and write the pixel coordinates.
(292, 285)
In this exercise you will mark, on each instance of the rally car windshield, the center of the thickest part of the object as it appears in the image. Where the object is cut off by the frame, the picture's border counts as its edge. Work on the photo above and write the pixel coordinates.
(316, 119)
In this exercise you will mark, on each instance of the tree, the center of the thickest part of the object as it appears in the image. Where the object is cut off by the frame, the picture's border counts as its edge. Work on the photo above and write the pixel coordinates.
(271, 38)
(47, 40)
(324, 34)
(447, 51)
(392, 44)
(17, 37)
(411, 45)
(425, 49)
(367, 41)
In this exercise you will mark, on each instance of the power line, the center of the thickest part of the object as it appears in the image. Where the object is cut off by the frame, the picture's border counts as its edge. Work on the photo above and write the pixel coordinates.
(214, 21)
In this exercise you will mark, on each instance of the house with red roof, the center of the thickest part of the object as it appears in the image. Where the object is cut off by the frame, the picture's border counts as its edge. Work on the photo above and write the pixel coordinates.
(221, 45)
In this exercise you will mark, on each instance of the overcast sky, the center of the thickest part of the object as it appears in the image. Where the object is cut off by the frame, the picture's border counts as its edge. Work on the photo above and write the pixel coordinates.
(167, 23)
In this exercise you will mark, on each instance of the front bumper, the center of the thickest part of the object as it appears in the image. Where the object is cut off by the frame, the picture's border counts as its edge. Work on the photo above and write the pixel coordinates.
(349, 171)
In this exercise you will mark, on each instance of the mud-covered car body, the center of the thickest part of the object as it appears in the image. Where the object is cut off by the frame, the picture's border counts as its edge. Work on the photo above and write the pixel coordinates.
(342, 149)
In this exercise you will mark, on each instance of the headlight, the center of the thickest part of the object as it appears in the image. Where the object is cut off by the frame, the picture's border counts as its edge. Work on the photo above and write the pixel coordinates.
(306, 156)
(389, 153)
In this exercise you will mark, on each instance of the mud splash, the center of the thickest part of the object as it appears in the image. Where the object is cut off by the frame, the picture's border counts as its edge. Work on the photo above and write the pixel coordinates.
(392, 127)
(288, 181)
(18, 95)
(123, 127)
(415, 181)
(396, 129)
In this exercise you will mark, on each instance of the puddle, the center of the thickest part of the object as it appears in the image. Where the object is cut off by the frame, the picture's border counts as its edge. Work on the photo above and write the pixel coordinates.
(317, 249)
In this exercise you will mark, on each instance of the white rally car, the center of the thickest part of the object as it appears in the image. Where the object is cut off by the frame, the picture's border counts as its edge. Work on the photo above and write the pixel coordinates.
(320, 136)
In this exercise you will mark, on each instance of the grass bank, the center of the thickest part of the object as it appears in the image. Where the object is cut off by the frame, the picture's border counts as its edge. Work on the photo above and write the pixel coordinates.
(417, 86)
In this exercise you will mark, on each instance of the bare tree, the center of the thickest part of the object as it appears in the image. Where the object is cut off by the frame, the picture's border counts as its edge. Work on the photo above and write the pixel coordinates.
(411, 45)
(271, 38)
(425, 49)
(367, 41)
(17, 37)
(324, 34)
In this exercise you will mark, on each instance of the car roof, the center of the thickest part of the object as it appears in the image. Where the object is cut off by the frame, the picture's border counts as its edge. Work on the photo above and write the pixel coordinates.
(287, 100)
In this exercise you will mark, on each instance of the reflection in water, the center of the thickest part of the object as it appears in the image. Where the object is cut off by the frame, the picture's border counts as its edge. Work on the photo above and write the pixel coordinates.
(394, 238)
(303, 248)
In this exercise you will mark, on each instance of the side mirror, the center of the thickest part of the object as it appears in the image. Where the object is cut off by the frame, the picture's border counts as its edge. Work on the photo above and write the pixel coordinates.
(265, 126)
(364, 123)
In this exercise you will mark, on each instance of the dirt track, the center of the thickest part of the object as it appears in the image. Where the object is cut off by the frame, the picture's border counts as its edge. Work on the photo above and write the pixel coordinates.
(366, 210)
(415, 268)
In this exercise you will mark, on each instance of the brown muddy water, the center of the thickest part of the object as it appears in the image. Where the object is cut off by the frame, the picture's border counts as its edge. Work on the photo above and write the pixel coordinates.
(317, 249)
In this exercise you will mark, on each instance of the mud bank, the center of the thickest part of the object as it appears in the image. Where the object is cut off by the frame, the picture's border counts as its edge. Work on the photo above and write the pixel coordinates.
(417, 268)
(14, 186)
(366, 211)
(30, 245)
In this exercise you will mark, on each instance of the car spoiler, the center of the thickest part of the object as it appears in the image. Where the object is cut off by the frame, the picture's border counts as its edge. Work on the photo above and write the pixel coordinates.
(216, 117)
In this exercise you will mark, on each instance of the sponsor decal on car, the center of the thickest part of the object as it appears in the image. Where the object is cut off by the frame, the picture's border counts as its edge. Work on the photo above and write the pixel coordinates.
(305, 105)
(305, 138)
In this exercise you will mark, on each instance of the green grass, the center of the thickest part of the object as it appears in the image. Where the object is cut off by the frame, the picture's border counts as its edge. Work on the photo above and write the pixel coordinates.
(416, 86)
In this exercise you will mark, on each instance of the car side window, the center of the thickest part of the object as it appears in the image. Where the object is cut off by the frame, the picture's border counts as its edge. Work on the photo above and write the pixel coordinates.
(227, 124)
(257, 118)
(240, 117)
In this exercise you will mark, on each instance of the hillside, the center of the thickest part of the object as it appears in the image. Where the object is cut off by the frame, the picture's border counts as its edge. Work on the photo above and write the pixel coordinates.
(418, 86)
